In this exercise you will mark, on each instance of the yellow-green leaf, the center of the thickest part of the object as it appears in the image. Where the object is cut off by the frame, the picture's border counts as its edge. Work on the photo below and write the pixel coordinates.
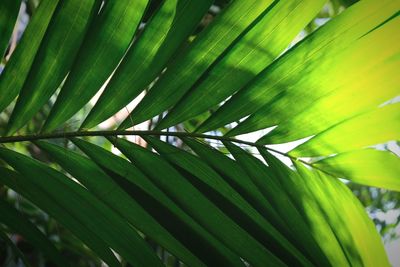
(305, 69)
(378, 126)
(249, 56)
(367, 166)
(190, 64)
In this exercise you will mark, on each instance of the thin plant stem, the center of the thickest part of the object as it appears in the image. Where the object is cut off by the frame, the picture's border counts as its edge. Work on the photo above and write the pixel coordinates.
(42, 136)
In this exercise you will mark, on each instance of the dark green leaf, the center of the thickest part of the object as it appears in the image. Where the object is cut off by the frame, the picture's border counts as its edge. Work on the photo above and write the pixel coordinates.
(53, 59)
(147, 57)
(106, 42)
(196, 204)
(8, 16)
(80, 203)
(93, 178)
(55, 207)
(17, 68)
(161, 207)
(228, 200)
(270, 186)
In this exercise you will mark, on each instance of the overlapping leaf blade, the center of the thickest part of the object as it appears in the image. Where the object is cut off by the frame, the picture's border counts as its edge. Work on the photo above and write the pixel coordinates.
(56, 208)
(306, 64)
(134, 182)
(190, 199)
(110, 193)
(250, 55)
(375, 74)
(17, 68)
(108, 226)
(367, 166)
(53, 59)
(240, 181)
(194, 61)
(269, 185)
(207, 180)
(163, 35)
(332, 237)
(353, 218)
(8, 16)
(309, 200)
(210, 209)
(382, 125)
(108, 37)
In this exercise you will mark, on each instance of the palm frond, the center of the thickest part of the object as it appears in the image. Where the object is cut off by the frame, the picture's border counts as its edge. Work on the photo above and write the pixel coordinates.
(203, 206)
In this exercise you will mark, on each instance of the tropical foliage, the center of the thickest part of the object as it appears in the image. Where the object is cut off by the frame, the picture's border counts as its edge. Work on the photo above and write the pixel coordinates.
(233, 203)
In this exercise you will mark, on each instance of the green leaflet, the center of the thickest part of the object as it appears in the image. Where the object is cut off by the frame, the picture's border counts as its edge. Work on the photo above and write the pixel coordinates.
(105, 44)
(270, 186)
(16, 70)
(190, 199)
(81, 204)
(54, 206)
(334, 240)
(189, 65)
(8, 16)
(101, 185)
(162, 36)
(60, 44)
(240, 181)
(238, 178)
(373, 76)
(228, 200)
(380, 125)
(353, 219)
(21, 225)
(295, 70)
(208, 209)
(162, 208)
(367, 166)
(250, 55)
